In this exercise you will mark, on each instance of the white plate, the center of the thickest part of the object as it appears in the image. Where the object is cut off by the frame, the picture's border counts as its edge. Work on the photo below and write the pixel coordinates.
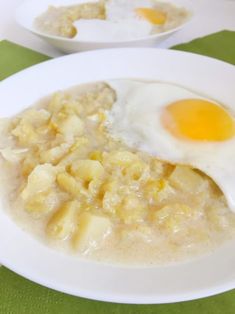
(25, 255)
(30, 9)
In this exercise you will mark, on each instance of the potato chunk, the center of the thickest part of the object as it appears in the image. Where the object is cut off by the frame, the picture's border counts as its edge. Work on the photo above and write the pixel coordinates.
(187, 179)
(40, 179)
(25, 133)
(54, 154)
(69, 184)
(87, 169)
(71, 127)
(42, 203)
(92, 230)
(121, 158)
(172, 217)
(63, 222)
(76, 151)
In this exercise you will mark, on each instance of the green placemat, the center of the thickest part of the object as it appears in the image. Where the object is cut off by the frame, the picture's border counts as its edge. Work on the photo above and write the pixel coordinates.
(220, 45)
(14, 58)
(20, 296)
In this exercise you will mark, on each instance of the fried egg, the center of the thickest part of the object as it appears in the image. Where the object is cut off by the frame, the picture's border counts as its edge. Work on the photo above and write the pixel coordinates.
(178, 126)
(125, 20)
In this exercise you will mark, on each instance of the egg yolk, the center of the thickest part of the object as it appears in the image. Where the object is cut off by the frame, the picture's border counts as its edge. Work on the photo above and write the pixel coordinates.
(152, 15)
(198, 119)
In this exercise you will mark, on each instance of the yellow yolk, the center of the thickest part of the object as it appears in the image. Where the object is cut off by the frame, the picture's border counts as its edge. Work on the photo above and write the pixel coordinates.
(198, 119)
(151, 15)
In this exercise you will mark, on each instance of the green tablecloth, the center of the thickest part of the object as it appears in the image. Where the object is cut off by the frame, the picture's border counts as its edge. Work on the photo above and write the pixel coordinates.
(20, 296)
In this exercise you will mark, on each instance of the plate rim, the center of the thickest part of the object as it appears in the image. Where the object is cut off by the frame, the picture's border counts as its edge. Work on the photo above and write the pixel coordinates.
(147, 300)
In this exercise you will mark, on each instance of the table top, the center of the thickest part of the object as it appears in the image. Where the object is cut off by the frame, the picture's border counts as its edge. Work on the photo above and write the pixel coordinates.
(210, 16)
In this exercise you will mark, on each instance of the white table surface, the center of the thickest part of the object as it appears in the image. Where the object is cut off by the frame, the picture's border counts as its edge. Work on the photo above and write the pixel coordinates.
(210, 16)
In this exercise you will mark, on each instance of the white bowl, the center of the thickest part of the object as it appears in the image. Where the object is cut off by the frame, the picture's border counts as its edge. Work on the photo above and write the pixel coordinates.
(30, 9)
(22, 253)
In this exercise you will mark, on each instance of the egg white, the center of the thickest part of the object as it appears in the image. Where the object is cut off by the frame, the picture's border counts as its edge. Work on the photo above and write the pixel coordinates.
(104, 30)
(118, 10)
(136, 120)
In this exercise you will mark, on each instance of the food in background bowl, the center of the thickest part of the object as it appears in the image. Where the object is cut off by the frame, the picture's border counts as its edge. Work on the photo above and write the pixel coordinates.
(111, 20)
(111, 170)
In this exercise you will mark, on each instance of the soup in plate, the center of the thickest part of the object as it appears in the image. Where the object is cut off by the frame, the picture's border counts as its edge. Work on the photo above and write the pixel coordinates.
(89, 171)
